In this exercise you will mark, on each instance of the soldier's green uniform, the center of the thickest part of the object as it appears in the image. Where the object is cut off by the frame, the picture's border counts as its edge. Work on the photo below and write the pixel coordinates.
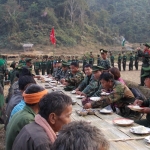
(73, 59)
(22, 62)
(136, 58)
(74, 80)
(76, 59)
(43, 66)
(145, 59)
(84, 62)
(105, 63)
(98, 60)
(131, 62)
(91, 60)
(48, 66)
(37, 66)
(112, 59)
(2, 108)
(12, 73)
(120, 96)
(3, 69)
(69, 61)
(124, 60)
(119, 62)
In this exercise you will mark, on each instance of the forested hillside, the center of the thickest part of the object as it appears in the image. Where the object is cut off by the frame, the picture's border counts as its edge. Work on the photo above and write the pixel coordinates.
(75, 21)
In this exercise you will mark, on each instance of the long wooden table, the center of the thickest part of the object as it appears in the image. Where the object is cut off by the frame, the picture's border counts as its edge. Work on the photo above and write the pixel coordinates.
(120, 137)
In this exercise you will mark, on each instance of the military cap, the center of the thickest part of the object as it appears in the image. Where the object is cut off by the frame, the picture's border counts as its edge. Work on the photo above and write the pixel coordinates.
(97, 68)
(147, 45)
(64, 64)
(13, 64)
(28, 60)
(103, 51)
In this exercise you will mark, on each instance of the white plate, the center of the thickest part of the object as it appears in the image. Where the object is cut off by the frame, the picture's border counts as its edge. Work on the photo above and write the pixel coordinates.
(79, 96)
(106, 111)
(73, 92)
(135, 108)
(140, 130)
(123, 121)
(104, 93)
(147, 139)
(95, 98)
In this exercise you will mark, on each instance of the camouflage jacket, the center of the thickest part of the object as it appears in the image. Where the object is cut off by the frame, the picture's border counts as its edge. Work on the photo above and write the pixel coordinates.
(105, 64)
(85, 82)
(120, 95)
(63, 74)
(57, 73)
(91, 88)
(98, 90)
(75, 79)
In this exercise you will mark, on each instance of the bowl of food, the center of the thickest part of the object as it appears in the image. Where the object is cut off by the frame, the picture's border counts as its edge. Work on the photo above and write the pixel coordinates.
(79, 96)
(135, 107)
(95, 98)
(105, 111)
(73, 92)
(140, 130)
(82, 112)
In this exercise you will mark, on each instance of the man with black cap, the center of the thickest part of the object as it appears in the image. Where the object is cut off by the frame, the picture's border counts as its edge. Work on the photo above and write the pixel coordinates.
(105, 63)
(146, 62)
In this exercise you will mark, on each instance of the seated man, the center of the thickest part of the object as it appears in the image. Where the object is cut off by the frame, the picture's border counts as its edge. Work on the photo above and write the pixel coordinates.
(64, 72)
(146, 103)
(74, 78)
(90, 84)
(120, 95)
(75, 131)
(55, 111)
(58, 70)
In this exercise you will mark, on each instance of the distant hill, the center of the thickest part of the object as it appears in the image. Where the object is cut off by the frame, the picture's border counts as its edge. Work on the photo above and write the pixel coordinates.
(76, 22)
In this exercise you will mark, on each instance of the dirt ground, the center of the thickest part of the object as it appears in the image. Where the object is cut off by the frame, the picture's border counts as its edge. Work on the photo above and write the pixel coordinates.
(128, 75)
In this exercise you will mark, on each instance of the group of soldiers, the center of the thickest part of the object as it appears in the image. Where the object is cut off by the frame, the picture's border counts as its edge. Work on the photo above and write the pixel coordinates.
(123, 59)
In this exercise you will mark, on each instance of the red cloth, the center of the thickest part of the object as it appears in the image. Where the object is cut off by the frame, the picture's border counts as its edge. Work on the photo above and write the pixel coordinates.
(146, 50)
(52, 36)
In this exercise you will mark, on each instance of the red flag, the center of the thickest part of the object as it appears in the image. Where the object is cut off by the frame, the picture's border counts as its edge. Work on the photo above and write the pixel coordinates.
(52, 36)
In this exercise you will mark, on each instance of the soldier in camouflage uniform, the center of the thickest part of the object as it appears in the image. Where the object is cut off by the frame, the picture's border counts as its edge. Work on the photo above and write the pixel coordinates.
(98, 60)
(145, 59)
(76, 59)
(124, 60)
(105, 63)
(136, 58)
(131, 62)
(37, 66)
(90, 84)
(119, 62)
(120, 95)
(69, 60)
(112, 59)
(49, 66)
(43, 66)
(58, 70)
(75, 77)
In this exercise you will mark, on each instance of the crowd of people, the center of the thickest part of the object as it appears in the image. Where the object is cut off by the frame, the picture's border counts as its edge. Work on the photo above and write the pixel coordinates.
(36, 119)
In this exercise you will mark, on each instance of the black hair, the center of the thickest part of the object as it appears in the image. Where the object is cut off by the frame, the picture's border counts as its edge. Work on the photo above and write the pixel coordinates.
(25, 72)
(87, 65)
(54, 102)
(82, 136)
(24, 81)
(75, 64)
(107, 76)
(115, 71)
(33, 88)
